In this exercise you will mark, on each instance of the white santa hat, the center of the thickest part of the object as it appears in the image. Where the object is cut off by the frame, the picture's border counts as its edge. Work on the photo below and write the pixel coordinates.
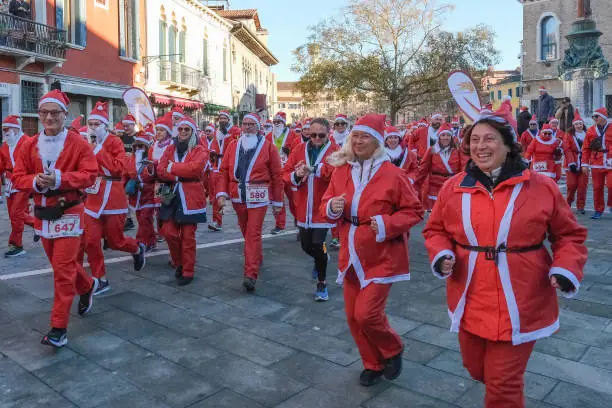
(100, 112)
(255, 117)
(12, 121)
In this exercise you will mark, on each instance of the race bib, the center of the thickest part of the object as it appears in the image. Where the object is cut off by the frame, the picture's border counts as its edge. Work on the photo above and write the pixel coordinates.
(609, 163)
(8, 188)
(257, 193)
(67, 226)
(540, 166)
(95, 187)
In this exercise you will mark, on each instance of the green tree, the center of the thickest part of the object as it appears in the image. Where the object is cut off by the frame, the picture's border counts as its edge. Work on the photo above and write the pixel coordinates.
(390, 50)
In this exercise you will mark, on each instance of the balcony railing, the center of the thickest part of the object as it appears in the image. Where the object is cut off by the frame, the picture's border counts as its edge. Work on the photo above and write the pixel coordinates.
(31, 37)
(179, 74)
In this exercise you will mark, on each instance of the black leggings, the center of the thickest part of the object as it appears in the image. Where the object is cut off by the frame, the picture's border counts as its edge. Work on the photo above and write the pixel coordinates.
(313, 243)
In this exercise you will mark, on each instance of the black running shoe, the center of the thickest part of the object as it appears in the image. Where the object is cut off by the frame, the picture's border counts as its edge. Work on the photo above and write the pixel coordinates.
(129, 224)
(369, 378)
(179, 272)
(103, 287)
(393, 367)
(105, 245)
(277, 230)
(86, 299)
(55, 337)
(249, 284)
(184, 280)
(14, 251)
(36, 238)
(139, 258)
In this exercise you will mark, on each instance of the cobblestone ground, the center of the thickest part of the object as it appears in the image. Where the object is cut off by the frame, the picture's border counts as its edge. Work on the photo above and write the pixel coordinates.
(149, 343)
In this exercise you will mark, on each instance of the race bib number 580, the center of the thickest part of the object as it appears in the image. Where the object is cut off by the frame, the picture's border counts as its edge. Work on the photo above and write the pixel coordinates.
(257, 194)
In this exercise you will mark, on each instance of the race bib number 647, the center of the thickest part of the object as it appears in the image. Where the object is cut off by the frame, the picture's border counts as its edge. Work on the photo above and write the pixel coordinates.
(67, 226)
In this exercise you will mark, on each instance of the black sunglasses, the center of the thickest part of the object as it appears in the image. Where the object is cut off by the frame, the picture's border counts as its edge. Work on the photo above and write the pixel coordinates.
(318, 135)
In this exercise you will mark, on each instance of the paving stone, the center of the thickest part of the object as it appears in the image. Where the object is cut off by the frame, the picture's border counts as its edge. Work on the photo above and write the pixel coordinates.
(257, 305)
(598, 357)
(435, 335)
(474, 398)
(561, 348)
(92, 387)
(567, 395)
(249, 346)
(124, 324)
(26, 350)
(418, 351)
(432, 382)
(299, 316)
(227, 399)
(136, 399)
(314, 398)
(570, 371)
(176, 385)
(247, 378)
(398, 397)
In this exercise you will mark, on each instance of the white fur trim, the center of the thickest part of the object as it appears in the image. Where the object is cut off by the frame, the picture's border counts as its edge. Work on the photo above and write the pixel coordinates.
(555, 270)
(382, 235)
(58, 179)
(599, 114)
(330, 213)
(164, 127)
(372, 132)
(444, 252)
(53, 100)
(98, 117)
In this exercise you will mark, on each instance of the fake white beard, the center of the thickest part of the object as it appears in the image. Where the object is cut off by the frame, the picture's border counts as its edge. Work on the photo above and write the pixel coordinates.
(100, 133)
(248, 141)
(12, 137)
(278, 130)
(394, 153)
(341, 137)
(50, 147)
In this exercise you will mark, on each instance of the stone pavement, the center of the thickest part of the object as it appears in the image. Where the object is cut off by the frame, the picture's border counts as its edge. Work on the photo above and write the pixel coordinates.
(149, 343)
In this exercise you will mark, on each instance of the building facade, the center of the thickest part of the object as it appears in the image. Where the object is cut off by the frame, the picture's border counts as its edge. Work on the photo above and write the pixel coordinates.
(510, 87)
(187, 62)
(92, 48)
(253, 84)
(545, 25)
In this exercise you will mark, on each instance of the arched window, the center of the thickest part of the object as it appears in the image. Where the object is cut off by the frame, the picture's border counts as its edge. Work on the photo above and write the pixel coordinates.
(549, 38)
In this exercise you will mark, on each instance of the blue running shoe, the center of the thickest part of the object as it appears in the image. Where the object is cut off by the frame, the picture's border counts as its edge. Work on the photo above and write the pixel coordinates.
(321, 294)
(597, 215)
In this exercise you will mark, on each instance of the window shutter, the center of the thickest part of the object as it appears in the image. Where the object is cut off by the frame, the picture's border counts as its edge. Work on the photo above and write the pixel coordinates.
(122, 33)
(81, 26)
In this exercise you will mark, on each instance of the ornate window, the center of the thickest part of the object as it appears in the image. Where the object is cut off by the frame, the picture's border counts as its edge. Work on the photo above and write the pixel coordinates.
(548, 37)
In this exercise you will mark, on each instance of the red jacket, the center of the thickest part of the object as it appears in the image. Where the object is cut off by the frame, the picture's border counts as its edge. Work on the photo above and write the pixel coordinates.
(525, 139)
(220, 147)
(310, 190)
(265, 169)
(437, 168)
(419, 142)
(107, 195)
(388, 197)
(511, 299)
(541, 155)
(145, 193)
(409, 163)
(75, 169)
(7, 162)
(572, 149)
(188, 176)
(597, 159)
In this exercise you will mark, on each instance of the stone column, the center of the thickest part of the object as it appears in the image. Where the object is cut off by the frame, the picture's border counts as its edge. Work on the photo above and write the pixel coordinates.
(586, 91)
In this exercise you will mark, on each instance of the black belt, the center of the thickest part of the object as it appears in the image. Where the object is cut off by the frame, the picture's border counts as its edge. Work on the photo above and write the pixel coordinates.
(188, 180)
(355, 221)
(440, 174)
(492, 253)
(109, 178)
(55, 193)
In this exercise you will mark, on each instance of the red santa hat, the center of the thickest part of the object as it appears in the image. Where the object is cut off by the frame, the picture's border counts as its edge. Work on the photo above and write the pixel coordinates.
(502, 115)
(225, 114)
(307, 123)
(603, 112)
(255, 117)
(55, 96)
(546, 128)
(234, 132)
(187, 121)
(146, 135)
(298, 128)
(552, 119)
(268, 122)
(341, 118)
(577, 117)
(100, 112)
(119, 128)
(542, 88)
(414, 125)
(129, 120)
(445, 128)
(372, 124)
(486, 109)
(210, 127)
(391, 131)
(282, 116)
(178, 112)
(524, 109)
(422, 123)
(165, 122)
(534, 119)
(455, 120)
(437, 115)
(76, 123)
(83, 132)
(12, 121)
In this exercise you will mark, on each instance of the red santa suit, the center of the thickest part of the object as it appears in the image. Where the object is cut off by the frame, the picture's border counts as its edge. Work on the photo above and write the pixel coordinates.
(143, 200)
(370, 262)
(599, 161)
(106, 206)
(544, 153)
(207, 179)
(438, 165)
(261, 186)
(402, 157)
(17, 202)
(577, 177)
(218, 147)
(501, 301)
(180, 218)
(72, 161)
(527, 136)
(340, 137)
(422, 139)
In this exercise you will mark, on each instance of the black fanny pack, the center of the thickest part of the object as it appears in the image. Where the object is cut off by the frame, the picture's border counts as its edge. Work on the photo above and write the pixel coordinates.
(54, 212)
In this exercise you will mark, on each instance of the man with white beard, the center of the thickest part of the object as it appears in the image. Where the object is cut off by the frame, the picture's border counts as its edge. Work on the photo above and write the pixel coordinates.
(55, 166)
(216, 153)
(341, 129)
(17, 202)
(251, 177)
(106, 206)
(284, 139)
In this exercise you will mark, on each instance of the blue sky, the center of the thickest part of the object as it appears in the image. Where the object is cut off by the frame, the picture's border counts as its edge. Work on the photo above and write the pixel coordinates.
(288, 22)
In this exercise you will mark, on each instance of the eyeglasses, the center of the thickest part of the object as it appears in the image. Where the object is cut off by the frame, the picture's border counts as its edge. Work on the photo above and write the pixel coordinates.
(277, 122)
(248, 124)
(184, 129)
(340, 124)
(54, 114)
(318, 135)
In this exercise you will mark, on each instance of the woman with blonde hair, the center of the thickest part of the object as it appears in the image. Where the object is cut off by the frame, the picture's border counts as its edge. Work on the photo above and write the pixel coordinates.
(374, 206)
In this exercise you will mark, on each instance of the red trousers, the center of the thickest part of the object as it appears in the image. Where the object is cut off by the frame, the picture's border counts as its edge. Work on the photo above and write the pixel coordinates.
(212, 196)
(577, 182)
(281, 217)
(599, 182)
(69, 278)
(19, 214)
(146, 229)
(109, 227)
(181, 241)
(251, 221)
(365, 314)
(499, 365)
